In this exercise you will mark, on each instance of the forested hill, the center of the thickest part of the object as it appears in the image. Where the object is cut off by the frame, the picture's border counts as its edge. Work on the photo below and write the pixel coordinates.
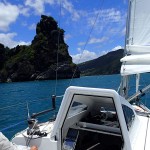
(106, 64)
(38, 61)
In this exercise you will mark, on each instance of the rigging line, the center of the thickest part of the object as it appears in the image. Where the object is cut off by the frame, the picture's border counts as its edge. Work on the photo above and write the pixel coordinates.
(8, 120)
(11, 126)
(28, 111)
(15, 116)
(11, 106)
(97, 15)
(42, 99)
(127, 28)
(58, 43)
(46, 126)
(119, 88)
(133, 22)
(146, 134)
(30, 138)
(31, 134)
(24, 103)
(143, 83)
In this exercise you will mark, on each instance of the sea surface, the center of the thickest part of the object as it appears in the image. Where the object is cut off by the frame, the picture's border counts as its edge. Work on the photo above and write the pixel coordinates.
(20, 98)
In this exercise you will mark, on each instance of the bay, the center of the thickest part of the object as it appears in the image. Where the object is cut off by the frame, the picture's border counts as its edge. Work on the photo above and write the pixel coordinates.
(14, 98)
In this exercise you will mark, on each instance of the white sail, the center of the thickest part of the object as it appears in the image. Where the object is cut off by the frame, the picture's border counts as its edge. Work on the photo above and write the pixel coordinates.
(138, 39)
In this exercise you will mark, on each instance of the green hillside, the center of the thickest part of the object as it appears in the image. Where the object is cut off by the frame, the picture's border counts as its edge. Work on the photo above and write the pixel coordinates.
(106, 64)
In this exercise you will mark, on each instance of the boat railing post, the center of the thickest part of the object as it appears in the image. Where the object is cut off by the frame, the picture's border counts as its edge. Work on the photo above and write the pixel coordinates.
(54, 101)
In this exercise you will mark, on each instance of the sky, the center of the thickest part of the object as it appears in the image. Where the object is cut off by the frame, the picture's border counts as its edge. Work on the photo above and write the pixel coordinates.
(92, 27)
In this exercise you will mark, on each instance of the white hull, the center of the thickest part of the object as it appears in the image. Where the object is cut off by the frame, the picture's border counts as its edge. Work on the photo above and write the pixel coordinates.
(134, 135)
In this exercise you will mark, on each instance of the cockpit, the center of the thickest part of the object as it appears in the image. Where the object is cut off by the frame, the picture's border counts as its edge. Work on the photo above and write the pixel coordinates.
(91, 124)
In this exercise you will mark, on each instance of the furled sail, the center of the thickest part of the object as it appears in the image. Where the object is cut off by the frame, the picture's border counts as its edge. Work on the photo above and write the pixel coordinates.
(137, 59)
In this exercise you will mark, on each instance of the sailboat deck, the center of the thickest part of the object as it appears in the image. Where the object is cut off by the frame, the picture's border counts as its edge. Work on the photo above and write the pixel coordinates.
(43, 143)
(140, 134)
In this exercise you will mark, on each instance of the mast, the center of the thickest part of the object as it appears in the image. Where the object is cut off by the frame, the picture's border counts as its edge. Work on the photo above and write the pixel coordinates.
(124, 86)
(125, 79)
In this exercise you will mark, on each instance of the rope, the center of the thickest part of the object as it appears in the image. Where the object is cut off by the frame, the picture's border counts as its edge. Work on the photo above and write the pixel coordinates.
(133, 21)
(31, 134)
(10, 106)
(57, 59)
(87, 41)
(146, 133)
(11, 126)
(143, 82)
(23, 103)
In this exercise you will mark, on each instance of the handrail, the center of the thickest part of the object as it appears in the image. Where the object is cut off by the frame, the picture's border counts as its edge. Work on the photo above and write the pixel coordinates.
(139, 93)
(48, 110)
(34, 115)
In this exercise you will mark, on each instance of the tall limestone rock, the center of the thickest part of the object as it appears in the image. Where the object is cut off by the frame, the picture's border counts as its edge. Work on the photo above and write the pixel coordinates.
(47, 54)
(45, 44)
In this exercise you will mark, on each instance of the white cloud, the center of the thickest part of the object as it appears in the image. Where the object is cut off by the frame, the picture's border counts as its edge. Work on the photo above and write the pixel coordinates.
(124, 31)
(68, 6)
(113, 15)
(24, 24)
(109, 21)
(94, 41)
(32, 26)
(114, 31)
(105, 16)
(38, 5)
(113, 49)
(87, 55)
(97, 40)
(8, 40)
(50, 1)
(116, 48)
(22, 43)
(84, 56)
(67, 36)
(8, 15)
(24, 10)
(81, 43)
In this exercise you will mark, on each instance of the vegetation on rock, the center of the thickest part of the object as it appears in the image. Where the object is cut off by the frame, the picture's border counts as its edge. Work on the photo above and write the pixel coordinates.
(39, 61)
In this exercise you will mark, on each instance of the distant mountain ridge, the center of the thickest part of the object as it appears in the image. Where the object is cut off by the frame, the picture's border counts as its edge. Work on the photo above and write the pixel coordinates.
(106, 64)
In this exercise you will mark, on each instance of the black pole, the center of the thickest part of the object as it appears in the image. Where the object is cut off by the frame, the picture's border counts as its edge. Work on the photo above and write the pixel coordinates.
(53, 101)
(41, 113)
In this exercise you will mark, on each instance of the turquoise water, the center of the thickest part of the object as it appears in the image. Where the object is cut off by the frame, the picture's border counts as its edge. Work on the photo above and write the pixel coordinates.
(15, 96)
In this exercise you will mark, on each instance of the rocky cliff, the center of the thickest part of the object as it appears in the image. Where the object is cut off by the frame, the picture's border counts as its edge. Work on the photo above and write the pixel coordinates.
(39, 61)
